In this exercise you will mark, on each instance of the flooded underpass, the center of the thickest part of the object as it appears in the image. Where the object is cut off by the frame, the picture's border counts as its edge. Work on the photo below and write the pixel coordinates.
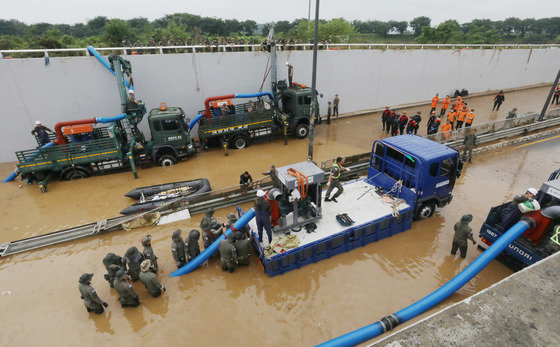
(41, 303)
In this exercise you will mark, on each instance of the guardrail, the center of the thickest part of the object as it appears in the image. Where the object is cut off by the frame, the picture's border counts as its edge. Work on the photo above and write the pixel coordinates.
(527, 121)
(60, 52)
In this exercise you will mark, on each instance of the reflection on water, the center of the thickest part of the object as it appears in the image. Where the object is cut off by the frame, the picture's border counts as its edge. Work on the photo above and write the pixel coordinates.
(211, 307)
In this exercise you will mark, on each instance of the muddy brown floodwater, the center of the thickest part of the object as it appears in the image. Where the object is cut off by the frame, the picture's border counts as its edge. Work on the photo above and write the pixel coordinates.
(38, 289)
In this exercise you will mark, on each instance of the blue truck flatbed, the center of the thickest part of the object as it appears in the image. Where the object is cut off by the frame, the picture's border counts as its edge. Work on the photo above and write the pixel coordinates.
(408, 174)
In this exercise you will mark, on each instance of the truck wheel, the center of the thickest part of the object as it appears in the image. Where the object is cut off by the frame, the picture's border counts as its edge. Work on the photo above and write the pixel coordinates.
(75, 173)
(167, 160)
(426, 210)
(240, 141)
(302, 130)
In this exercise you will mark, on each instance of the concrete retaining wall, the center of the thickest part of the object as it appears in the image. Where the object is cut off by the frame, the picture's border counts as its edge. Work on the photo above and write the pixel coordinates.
(80, 87)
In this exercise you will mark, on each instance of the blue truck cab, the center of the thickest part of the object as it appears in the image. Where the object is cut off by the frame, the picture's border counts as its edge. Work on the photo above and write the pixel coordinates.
(523, 252)
(426, 168)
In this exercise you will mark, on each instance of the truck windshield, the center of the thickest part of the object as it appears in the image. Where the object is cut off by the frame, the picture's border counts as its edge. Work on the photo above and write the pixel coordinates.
(170, 124)
(304, 99)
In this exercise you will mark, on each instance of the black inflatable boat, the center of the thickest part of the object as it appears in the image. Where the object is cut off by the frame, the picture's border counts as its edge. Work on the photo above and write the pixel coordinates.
(157, 195)
(136, 193)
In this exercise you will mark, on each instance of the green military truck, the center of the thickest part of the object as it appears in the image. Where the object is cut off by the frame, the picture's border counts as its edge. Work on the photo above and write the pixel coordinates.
(288, 112)
(110, 148)
(82, 148)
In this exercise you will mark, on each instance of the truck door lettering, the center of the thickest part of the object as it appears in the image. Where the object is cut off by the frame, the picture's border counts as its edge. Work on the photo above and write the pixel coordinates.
(441, 184)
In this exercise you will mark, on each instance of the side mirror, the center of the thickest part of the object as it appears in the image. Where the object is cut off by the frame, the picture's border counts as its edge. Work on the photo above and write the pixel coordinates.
(459, 167)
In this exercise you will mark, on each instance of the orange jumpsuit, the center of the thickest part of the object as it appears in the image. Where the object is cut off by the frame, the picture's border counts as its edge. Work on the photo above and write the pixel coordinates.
(446, 130)
(435, 101)
(444, 103)
(451, 116)
(469, 118)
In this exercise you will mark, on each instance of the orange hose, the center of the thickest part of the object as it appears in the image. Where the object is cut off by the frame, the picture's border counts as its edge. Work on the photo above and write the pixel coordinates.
(303, 181)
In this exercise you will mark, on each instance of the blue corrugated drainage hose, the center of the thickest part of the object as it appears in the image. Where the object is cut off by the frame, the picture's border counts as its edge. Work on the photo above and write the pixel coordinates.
(16, 172)
(421, 306)
(254, 95)
(202, 257)
(105, 63)
(194, 121)
(110, 119)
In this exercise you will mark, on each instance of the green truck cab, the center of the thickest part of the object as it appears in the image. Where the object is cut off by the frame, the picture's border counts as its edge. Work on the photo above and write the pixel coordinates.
(295, 104)
(171, 139)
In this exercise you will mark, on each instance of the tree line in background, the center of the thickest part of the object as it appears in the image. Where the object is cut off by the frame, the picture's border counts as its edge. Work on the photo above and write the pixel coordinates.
(103, 32)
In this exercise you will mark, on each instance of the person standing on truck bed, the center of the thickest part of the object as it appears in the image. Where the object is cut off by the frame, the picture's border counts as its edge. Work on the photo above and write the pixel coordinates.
(262, 216)
(463, 232)
(41, 132)
(336, 102)
(290, 73)
(333, 180)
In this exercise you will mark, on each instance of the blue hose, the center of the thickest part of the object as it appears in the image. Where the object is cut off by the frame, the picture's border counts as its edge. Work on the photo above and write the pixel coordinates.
(254, 95)
(110, 119)
(16, 172)
(194, 121)
(421, 306)
(105, 63)
(202, 257)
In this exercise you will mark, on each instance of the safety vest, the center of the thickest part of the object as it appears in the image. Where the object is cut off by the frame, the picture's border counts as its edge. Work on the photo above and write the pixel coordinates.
(435, 101)
(446, 127)
(554, 237)
(557, 91)
(335, 165)
(470, 117)
(461, 115)
(445, 103)
(451, 116)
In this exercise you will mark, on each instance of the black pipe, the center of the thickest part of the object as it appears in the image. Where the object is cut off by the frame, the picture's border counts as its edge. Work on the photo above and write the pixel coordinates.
(313, 85)
(545, 107)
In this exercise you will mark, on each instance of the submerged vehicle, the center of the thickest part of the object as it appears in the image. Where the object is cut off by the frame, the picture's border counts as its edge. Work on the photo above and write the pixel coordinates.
(536, 243)
(154, 196)
(285, 111)
(409, 176)
(82, 149)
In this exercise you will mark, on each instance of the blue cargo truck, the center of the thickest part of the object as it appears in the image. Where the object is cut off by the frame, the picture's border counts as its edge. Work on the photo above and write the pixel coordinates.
(535, 244)
(409, 176)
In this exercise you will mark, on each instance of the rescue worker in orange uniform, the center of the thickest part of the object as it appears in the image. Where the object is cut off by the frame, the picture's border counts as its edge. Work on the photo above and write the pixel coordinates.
(458, 104)
(435, 101)
(444, 105)
(469, 117)
(446, 129)
(451, 116)
(461, 114)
